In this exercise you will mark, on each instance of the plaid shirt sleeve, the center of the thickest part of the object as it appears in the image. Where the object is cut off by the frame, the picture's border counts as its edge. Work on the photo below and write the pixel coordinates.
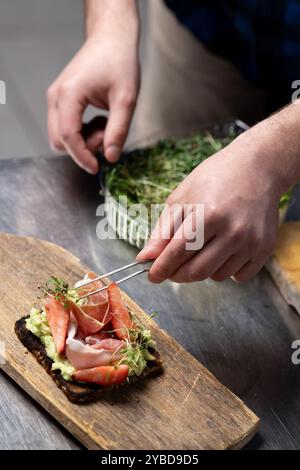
(261, 37)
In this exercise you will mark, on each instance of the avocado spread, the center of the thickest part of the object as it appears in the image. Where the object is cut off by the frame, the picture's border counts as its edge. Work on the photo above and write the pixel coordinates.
(38, 325)
(137, 354)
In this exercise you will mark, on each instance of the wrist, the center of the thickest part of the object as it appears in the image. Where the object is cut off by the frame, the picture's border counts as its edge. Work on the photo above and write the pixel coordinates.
(105, 16)
(273, 146)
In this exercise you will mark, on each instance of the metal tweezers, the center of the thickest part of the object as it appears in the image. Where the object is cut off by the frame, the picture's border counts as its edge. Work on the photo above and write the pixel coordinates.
(115, 271)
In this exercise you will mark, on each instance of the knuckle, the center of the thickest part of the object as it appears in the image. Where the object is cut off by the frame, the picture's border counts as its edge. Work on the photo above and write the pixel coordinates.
(178, 251)
(197, 274)
(170, 200)
(238, 231)
(56, 145)
(66, 88)
(210, 213)
(174, 201)
(213, 215)
(161, 271)
(119, 134)
(255, 238)
(127, 99)
(66, 134)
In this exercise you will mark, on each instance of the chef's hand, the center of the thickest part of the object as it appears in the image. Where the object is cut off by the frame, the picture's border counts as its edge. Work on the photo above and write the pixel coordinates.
(104, 73)
(240, 197)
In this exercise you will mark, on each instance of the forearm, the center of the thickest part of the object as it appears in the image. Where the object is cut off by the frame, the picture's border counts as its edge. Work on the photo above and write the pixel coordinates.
(275, 146)
(105, 16)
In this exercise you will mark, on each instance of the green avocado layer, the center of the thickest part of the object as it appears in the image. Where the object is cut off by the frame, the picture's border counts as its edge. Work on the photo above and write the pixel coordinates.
(38, 325)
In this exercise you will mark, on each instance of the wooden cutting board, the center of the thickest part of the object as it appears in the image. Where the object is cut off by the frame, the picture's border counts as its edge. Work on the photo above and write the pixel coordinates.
(284, 266)
(185, 407)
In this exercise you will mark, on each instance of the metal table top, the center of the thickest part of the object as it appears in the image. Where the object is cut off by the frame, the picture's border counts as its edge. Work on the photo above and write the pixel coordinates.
(241, 333)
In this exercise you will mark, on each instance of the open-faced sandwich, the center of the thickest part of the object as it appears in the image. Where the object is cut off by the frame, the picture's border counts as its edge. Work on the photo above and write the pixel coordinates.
(90, 344)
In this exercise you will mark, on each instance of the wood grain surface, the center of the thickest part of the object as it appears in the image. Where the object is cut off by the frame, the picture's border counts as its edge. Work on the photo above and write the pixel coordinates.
(284, 266)
(183, 408)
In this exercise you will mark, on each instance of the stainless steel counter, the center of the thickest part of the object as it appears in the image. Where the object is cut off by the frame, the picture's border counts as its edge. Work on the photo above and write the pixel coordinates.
(241, 333)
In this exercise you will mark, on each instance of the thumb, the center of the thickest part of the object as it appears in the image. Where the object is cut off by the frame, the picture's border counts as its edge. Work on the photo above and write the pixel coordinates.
(117, 127)
(167, 224)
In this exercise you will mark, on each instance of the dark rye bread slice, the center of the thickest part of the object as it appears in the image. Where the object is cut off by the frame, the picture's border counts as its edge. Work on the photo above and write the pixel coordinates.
(76, 392)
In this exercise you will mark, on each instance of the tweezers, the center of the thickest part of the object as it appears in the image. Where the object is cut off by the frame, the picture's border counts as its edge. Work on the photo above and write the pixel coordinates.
(115, 271)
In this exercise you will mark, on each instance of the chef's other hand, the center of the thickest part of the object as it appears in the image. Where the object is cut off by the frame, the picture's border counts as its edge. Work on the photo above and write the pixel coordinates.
(240, 188)
(105, 74)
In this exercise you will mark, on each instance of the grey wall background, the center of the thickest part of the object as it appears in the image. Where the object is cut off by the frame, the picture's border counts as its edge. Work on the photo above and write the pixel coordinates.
(37, 38)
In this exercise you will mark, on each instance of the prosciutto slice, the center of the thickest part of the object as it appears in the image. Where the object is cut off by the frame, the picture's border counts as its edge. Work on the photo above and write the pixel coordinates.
(86, 324)
(97, 337)
(85, 356)
(97, 305)
(110, 344)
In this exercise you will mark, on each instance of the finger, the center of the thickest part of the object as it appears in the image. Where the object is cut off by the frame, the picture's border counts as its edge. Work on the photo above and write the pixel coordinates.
(93, 133)
(232, 265)
(206, 262)
(70, 111)
(52, 122)
(116, 131)
(248, 271)
(180, 249)
(94, 141)
(97, 124)
(168, 223)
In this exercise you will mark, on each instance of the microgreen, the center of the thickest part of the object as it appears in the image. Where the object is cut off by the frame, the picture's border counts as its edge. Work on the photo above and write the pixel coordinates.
(58, 289)
(148, 176)
(137, 353)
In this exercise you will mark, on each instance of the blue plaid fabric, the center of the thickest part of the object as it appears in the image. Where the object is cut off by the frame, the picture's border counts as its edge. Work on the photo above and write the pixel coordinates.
(261, 37)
